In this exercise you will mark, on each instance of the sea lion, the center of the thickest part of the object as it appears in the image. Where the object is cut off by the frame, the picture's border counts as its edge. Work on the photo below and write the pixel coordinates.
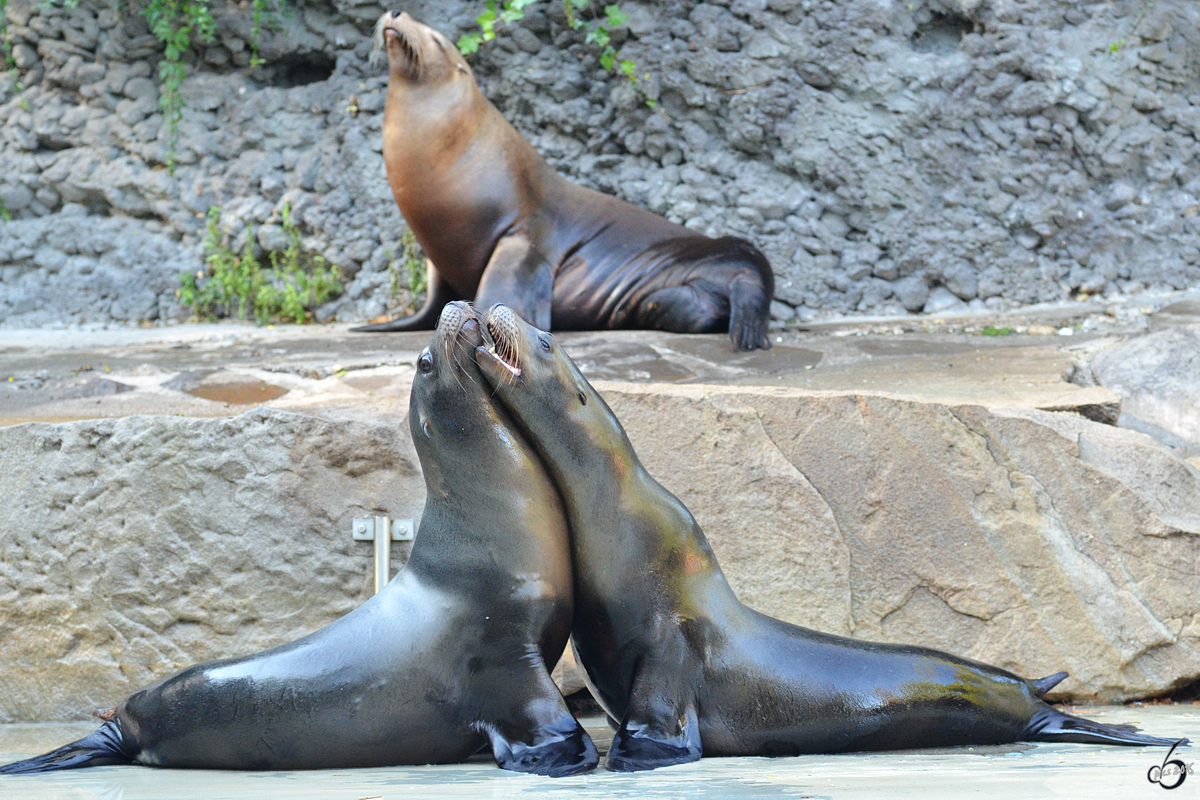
(499, 225)
(450, 656)
(685, 668)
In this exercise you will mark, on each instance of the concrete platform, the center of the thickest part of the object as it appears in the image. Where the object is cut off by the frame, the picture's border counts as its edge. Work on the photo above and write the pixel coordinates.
(1014, 772)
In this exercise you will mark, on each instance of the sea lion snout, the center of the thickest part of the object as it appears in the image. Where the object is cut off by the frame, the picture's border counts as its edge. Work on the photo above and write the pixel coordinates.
(504, 328)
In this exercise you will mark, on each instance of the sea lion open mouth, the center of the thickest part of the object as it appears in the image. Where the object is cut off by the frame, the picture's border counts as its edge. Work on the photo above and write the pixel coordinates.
(505, 335)
(401, 31)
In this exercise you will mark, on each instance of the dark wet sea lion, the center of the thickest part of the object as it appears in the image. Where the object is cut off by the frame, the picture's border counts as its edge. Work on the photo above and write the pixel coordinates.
(449, 657)
(499, 225)
(687, 669)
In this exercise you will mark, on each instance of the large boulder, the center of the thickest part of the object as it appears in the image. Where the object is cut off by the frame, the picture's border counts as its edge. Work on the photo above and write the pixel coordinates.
(1034, 540)
(1158, 378)
(132, 547)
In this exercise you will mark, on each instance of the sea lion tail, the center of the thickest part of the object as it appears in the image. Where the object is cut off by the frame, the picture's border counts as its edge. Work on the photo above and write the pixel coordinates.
(1050, 725)
(103, 747)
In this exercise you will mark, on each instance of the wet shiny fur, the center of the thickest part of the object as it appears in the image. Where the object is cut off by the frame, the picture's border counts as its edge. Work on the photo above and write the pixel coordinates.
(499, 225)
(448, 658)
(685, 668)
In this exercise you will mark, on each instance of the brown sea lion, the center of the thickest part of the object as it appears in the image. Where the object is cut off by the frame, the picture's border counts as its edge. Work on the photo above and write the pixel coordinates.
(499, 225)
(680, 663)
(450, 657)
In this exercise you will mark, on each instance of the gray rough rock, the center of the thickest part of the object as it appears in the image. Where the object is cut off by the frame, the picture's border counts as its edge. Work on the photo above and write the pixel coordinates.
(1158, 378)
(877, 152)
(1037, 541)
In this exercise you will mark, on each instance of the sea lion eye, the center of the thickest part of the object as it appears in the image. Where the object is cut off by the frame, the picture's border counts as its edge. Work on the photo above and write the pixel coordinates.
(425, 427)
(425, 363)
(582, 397)
(545, 343)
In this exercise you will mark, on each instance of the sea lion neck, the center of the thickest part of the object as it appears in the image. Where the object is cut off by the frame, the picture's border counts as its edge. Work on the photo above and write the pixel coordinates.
(471, 458)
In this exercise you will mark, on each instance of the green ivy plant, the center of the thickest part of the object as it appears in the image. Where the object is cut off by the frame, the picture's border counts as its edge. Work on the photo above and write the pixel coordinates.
(235, 285)
(5, 41)
(496, 14)
(264, 14)
(599, 30)
(176, 23)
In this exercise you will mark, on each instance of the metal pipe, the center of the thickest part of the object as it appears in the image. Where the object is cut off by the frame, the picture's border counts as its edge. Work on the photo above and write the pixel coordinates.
(383, 552)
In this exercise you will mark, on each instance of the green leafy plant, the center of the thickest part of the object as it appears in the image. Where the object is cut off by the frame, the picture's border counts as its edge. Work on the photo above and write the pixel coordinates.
(5, 214)
(599, 29)
(496, 14)
(408, 272)
(174, 23)
(992, 330)
(233, 284)
(178, 24)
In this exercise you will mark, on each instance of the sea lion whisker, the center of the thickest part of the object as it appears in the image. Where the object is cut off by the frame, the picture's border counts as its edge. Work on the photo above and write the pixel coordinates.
(377, 52)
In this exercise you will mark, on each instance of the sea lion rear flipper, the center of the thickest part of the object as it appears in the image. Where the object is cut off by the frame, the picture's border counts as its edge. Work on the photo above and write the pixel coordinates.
(1051, 725)
(103, 747)
(426, 319)
(520, 277)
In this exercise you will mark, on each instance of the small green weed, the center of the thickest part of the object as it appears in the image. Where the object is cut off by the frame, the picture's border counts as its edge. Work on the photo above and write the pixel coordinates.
(408, 272)
(992, 330)
(233, 285)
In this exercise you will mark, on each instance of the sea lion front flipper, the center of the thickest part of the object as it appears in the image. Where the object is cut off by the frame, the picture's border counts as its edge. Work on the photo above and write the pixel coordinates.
(558, 749)
(532, 730)
(658, 742)
(426, 319)
(520, 277)
(660, 726)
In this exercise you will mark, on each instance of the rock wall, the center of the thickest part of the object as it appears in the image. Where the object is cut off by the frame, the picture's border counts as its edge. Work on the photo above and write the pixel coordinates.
(1033, 540)
(888, 156)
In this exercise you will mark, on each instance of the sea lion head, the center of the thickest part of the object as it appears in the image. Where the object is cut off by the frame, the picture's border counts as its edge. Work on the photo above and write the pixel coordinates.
(533, 375)
(417, 55)
(450, 413)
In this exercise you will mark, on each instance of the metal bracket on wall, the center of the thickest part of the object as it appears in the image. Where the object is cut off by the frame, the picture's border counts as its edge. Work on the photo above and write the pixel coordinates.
(377, 530)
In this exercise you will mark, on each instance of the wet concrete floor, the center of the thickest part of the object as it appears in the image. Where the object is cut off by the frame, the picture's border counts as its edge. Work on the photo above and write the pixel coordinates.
(1011, 772)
